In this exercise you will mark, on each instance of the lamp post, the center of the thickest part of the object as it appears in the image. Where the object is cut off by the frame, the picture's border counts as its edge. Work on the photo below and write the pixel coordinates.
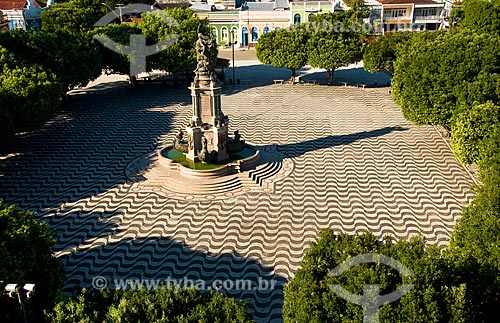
(119, 6)
(232, 43)
(13, 288)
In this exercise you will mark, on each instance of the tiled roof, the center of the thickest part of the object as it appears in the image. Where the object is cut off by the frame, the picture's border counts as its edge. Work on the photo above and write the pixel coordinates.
(13, 4)
(407, 1)
(16, 4)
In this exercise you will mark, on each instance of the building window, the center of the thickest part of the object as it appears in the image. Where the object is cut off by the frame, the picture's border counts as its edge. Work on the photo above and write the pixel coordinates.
(214, 31)
(255, 34)
(234, 34)
(224, 35)
(425, 12)
(265, 30)
(296, 19)
(310, 18)
(395, 13)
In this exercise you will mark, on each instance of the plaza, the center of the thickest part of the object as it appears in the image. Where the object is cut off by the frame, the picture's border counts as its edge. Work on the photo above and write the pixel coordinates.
(353, 163)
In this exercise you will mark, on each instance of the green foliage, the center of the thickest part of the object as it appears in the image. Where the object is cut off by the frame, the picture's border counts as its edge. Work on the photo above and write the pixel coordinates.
(75, 59)
(333, 49)
(284, 48)
(114, 62)
(470, 128)
(475, 244)
(25, 257)
(380, 54)
(69, 17)
(441, 71)
(481, 16)
(30, 95)
(434, 298)
(164, 304)
(180, 57)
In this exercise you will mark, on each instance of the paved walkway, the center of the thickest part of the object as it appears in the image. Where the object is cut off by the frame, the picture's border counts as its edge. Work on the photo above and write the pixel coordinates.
(357, 166)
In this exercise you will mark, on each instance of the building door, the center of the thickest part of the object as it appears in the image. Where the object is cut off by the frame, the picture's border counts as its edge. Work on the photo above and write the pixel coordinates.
(244, 36)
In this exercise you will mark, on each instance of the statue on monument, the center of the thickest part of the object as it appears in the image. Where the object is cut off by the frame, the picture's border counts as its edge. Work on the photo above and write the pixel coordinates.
(205, 56)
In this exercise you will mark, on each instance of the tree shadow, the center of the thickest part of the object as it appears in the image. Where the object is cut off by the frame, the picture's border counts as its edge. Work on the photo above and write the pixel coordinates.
(85, 148)
(130, 262)
(258, 75)
(351, 77)
(297, 149)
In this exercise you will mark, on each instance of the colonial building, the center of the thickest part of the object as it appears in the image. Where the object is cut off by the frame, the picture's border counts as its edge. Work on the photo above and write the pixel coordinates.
(244, 23)
(23, 14)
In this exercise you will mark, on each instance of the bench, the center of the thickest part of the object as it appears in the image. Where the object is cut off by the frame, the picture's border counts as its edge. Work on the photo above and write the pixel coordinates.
(279, 81)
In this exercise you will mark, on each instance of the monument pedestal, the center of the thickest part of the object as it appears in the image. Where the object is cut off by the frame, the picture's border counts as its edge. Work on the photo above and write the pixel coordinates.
(208, 130)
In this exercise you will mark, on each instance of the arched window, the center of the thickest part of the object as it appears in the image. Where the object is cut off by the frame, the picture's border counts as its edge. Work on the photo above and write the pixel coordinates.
(224, 35)
(277, 28)
(234, 34)
(244, 36)
(296, 19)
(255, 34)
(214, 31)
(310, 18)
(265, 30)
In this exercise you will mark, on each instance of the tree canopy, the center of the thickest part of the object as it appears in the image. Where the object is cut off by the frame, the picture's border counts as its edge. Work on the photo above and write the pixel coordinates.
(164, 304)
(284, 48)
(440, 72)
(380, 54)
(433, 298)
(333, 49)
(25, 257)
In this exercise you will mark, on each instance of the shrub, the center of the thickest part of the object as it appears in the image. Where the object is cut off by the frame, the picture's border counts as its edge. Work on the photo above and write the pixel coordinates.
(470, 128)
(25, 257)
(164, 304)
(442, 71)
(432, 299)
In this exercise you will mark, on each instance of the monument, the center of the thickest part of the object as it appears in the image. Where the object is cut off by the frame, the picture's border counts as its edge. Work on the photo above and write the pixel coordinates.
(206, 138)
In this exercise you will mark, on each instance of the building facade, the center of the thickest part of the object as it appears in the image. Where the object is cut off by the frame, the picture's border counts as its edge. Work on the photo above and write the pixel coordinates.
(406, 15)
(23, 14)
(244, 23)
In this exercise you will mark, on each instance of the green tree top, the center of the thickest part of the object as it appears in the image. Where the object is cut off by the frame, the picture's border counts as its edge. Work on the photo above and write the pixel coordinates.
(331, 49)
(284, 48)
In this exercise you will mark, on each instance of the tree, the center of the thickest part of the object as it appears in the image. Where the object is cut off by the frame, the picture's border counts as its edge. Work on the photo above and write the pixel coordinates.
(180, 57)
(74, 58)
(30, 94)
(380, 54)
(471, 127)
(284, 48)
(113, 62)
(69, 17)
(333, 49)
(475, 244)
(481, 16)
(164, 304)
(440, 72)
(25, 257)
(433, 298)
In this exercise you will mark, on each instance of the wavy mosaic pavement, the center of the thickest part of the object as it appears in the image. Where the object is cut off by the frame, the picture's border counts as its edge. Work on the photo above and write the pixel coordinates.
(357, 166)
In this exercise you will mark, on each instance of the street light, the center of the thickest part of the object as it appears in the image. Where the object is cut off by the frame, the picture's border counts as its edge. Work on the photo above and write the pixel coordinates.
(232, 43)
(119, 6)
(13, 288)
